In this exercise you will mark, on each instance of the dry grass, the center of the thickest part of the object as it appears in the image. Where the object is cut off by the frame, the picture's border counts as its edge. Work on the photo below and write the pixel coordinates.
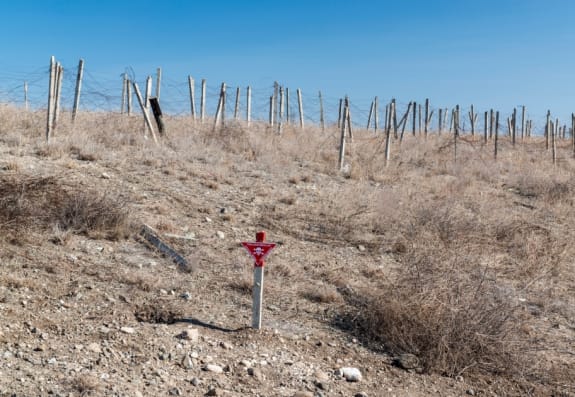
(467, 247)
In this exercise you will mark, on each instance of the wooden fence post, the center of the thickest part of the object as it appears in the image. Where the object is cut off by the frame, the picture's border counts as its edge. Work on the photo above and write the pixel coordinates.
(58, 94)
(192, 86)
(522, 123)
(321, 115)
(548, 120)
(281, 110)
(339, 114)
(51, 85)
(514, 126)
(485, 127)
(26, 105)
(553, 144)
(158, 82)
(288, 114)
(237, 105)
(439, 126)
(275, 103)
(491, 123)
(369, 116)
(376, 116)
(403, 122)
(388, 141)
(271, 111)
(393, 117)
(248, 105)
(124, 93)
(419, 118)
(145, 111)
(148, 92)
(426, 121)
(78, 89)
(220, 111)
(414, 117)
(496, 138)
(300, 108)
(455, 132)
(573, 133)
(203, 102)
(472, 118)
(129, 97)
(341, 158)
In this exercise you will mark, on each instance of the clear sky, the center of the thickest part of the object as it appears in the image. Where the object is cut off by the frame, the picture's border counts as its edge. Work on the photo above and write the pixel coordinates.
(493, 54)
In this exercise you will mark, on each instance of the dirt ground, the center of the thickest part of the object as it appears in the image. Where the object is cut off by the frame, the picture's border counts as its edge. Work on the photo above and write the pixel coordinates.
(85, 315)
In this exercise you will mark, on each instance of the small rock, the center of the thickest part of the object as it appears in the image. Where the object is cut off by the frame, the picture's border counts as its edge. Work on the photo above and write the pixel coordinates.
(303, 394)
(190, 334)
(208, 220)
(226, 345)
(321, 385)
(195, 381)
(187, 362)
(470, 392)
(127, 330)
(246, 363)
(361, 394)
(175, 392)
(186, 296)
(256, 373)
(361, 248)
(351, 374)
(105, 176)
(94, 347)
(213, 368)
(213, 392)
(221, 235)
(407, 361)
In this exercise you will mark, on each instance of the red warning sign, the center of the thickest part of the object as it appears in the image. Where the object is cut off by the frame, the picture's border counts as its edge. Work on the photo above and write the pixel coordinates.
(259, 251)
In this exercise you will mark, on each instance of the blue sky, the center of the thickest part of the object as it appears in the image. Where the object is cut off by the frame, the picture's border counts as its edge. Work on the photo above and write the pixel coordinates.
(499, 54)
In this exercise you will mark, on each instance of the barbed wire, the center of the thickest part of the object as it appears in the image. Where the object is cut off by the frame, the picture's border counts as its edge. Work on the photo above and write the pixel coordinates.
(104, 93)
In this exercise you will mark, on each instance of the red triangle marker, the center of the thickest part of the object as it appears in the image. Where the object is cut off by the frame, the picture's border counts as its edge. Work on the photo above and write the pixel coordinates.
(259, 251)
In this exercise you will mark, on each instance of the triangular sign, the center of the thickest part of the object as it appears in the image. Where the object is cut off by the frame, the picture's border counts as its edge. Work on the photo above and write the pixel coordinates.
(259, 251)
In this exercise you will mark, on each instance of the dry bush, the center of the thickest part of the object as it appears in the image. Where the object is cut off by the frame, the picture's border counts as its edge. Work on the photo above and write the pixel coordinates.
(158, 312)
(322, 294)
(44, 203)
(86, 385)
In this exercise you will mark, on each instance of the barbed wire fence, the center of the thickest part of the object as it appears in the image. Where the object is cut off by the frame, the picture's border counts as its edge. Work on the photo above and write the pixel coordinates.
(104, 94)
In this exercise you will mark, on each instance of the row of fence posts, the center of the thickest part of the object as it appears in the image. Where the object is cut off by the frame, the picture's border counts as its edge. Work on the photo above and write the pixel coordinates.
(279, 114)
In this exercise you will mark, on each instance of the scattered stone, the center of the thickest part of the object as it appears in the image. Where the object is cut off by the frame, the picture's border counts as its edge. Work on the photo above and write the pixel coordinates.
(175, 392)
(221, 235)
(127, 330)
(246, 363)
(94, 347)
(226, 345)
(195, 381)
(361, 248)
(303, 394)
(105, 176)
(190, 334)
(186, 296)
(351, 374)
(470, 392)
(213, 368)
(213, 392)
(256, 373)
(361, 394)
(187, 362)
(208, 220)
(407, 361)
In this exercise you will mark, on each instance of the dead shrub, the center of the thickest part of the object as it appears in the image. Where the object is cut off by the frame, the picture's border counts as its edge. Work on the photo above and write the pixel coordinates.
(43, 203)
(93, 214)
(322, 294)
(86, 385)
(158, 312)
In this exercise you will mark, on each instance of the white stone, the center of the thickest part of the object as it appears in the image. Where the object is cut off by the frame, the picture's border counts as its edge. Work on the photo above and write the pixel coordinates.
(351, 374)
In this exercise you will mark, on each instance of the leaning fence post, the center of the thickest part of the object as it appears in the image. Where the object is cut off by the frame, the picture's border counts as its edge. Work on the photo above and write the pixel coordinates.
(300, 108)
(342, 138)
(145, 111)
(376, 117)
(78, 89)
(158, 82)
(237, 105)
(58, 94)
